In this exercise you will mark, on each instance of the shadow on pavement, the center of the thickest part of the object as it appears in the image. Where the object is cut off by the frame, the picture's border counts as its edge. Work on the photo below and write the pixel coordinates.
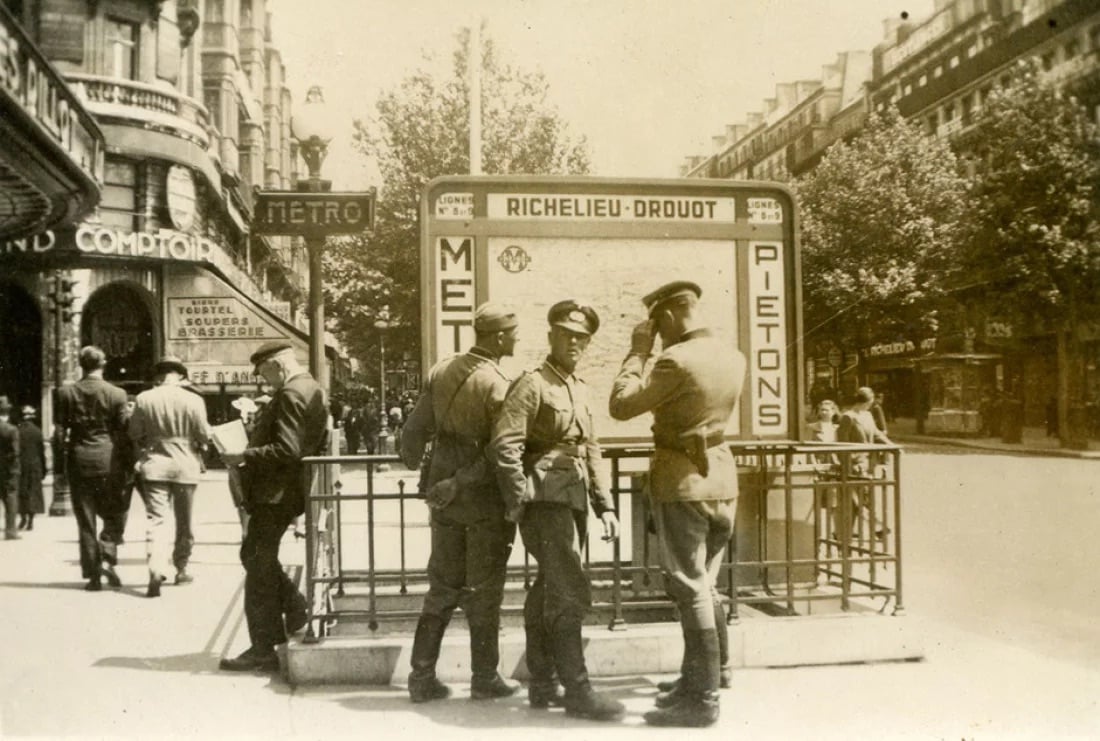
(463, 712)
(193, 663)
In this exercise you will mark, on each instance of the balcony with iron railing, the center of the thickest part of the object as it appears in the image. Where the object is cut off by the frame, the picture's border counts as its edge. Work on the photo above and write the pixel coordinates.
(143, 105)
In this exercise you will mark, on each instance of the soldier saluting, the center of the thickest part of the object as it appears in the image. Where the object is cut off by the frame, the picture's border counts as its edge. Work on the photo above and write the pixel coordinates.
(692, 389)
(546, 452)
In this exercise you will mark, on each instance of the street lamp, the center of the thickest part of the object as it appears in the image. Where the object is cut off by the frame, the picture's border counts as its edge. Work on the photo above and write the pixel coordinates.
(312, 127)
(61, 306)
(382, 323)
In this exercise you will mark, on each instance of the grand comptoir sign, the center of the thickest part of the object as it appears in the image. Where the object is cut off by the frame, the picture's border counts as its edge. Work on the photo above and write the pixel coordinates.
(96, 240)
(165, 244)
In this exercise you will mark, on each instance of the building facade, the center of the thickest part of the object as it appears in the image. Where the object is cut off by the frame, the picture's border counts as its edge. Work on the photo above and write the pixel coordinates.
(939, 71)
(194, 112)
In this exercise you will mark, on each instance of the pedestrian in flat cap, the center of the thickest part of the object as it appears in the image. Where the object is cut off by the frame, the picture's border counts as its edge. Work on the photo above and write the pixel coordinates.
(169, 431)
(32, 469)
(293, 425)
(471, 539)
(9, 468)
(92, 417)
(546, 451)
(691, 388)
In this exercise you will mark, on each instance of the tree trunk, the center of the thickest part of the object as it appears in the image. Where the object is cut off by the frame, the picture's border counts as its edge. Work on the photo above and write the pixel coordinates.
(1071, 431)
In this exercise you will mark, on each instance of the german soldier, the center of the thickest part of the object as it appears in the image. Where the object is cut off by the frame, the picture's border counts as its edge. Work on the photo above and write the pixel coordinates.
(546, 452)
(692, 389)
(471, 539)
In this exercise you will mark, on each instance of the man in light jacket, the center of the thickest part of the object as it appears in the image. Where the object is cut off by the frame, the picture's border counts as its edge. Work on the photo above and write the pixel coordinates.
(169, 430)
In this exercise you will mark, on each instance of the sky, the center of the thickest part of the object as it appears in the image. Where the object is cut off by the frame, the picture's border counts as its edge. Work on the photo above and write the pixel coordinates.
(647, 82)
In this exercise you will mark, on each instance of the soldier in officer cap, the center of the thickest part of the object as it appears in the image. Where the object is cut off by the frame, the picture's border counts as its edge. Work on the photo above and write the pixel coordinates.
(471, 539)
(692, 388)
(546, 453)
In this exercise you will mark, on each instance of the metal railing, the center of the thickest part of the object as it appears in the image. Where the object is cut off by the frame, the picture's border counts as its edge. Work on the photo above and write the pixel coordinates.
(818, 530)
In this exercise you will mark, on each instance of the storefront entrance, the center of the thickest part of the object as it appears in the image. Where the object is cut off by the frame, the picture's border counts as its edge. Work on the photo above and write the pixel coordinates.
(118, 319)
(20, 346)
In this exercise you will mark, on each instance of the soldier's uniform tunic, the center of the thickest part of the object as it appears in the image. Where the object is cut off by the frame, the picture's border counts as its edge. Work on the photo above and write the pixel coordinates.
(546, 449)
(692, 390)
(471, 539)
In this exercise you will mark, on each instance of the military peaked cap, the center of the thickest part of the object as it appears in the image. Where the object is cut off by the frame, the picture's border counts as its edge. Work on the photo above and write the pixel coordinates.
(669, 291)
(574, 317)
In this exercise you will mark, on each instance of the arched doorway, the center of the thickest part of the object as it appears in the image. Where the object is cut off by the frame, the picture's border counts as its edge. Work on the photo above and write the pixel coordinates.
(118, 320)
(21, 344)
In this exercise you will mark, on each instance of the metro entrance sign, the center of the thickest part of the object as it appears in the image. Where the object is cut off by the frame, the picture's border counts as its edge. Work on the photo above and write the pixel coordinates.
(294, 213)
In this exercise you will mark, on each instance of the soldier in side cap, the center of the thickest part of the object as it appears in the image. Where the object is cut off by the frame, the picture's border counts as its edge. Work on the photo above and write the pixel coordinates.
(292, 426)
(471, 539)
(692, 388)
(546, 452)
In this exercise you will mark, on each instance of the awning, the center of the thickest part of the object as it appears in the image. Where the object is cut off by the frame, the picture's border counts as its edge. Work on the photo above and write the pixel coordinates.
(51, 158)
(214, 328)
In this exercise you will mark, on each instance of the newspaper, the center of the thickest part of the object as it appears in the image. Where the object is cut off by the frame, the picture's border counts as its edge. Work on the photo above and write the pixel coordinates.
(230, 437)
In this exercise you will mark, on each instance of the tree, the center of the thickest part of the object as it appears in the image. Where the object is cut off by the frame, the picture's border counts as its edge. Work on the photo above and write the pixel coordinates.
(1033, 222)
(422, 131)
(879, 228)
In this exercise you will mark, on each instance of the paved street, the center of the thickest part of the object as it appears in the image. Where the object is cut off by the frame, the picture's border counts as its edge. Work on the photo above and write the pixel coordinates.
(998, 571)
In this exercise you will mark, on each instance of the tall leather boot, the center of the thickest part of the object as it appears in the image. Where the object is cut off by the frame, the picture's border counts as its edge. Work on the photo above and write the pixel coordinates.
(423, 684)
(581, 701)
(726, 671)
(486, 682)
(679, 688)
(725, 664)
(698, 705)
(672, 684)
(543, 690)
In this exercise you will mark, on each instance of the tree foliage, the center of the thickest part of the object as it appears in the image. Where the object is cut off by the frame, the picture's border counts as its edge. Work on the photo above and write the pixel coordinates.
(1033, 226)
(879, 228)
(1034, 219)
(421, 131)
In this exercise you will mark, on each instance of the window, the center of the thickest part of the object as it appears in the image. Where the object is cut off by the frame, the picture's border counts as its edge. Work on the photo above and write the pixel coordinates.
(1072, 49)
(1094, 37)
(1047, 61)
(118, 203)
(122, 49)
(954, 62)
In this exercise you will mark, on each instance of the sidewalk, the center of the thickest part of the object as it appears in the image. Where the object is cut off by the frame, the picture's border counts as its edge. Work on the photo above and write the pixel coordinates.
(1034, 441)
(115, 664)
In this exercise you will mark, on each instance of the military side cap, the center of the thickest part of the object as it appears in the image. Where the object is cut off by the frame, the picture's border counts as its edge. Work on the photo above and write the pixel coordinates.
(668, 292)
(490, 317)
(267, 350)
(574, 317)
(169, 363)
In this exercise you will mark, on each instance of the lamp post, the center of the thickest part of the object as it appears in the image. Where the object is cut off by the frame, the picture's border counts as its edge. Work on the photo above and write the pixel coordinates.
(382, 323)
(61, 299)
(312, 127)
